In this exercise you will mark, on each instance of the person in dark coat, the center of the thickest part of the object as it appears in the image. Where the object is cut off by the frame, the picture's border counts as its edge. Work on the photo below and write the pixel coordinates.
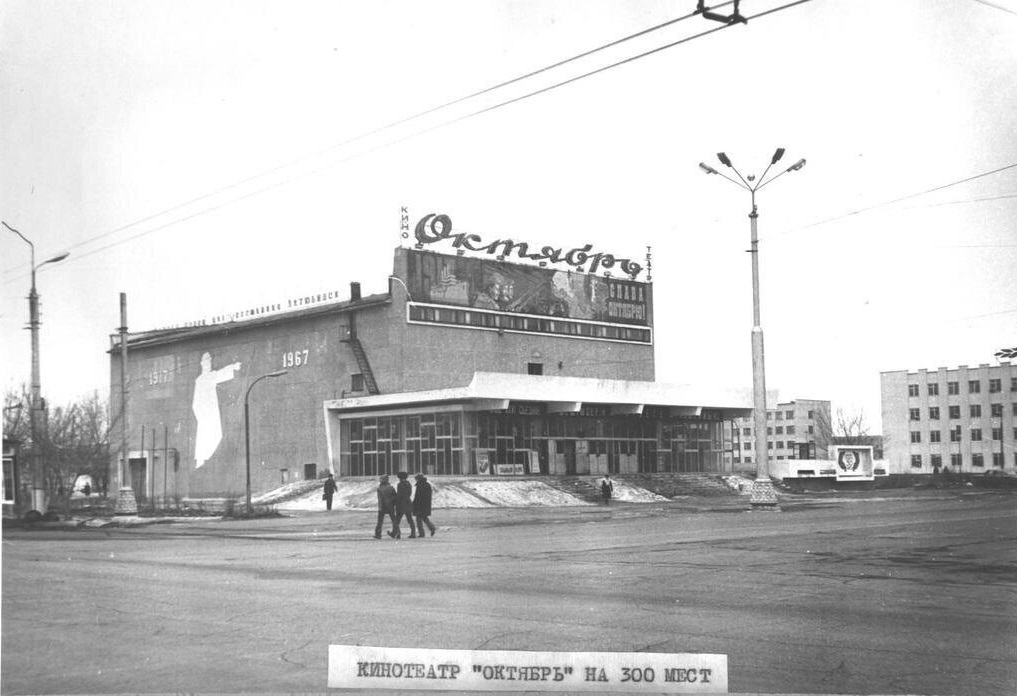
(330, 490)
(422, 505)
(606, 489)
(386, 504)
(404, 507)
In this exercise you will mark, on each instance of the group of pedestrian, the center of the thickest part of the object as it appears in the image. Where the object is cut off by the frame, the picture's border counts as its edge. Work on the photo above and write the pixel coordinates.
(401, 501)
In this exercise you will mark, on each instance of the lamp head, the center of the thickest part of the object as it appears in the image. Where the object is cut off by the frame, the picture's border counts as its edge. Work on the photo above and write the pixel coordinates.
(777, 155)
(277, 373)
(58, 257)
(724, 159)
(707, 168)
(797, 165)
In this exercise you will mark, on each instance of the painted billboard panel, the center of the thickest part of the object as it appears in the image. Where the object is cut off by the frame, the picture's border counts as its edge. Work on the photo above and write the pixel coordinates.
(482, 284)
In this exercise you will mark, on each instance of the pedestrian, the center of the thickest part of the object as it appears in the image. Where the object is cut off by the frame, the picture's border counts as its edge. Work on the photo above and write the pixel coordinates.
(606, 489)
(386, 504)
(330, 490)
(404, 507)
(422, 505)
(87, 489)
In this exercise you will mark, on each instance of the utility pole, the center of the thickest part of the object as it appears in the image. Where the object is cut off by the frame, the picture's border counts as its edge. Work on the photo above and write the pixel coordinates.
(763, 493)
(126, 503)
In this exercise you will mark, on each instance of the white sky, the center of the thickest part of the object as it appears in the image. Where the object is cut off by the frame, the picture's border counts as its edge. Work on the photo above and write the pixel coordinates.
(130, 119)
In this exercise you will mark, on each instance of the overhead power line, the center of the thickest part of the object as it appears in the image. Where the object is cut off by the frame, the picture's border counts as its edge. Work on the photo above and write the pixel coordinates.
(376, 131)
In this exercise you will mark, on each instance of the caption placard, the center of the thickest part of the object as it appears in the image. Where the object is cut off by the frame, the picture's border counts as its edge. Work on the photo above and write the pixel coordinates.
(366, 667)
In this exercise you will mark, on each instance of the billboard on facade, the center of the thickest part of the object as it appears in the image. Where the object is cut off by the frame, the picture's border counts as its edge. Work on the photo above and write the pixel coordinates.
(497, 285)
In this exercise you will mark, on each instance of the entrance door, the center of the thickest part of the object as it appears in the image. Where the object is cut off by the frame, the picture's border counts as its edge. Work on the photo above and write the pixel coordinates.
(139, 478)
(570, 457)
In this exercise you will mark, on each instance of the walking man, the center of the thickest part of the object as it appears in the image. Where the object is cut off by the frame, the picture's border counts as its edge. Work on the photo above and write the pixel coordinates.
(386, 504)
(606, 489)
(422, 505)
(404, 507)
(330, 490)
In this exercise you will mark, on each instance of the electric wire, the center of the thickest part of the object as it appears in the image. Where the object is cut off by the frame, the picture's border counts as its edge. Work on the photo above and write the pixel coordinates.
(380, 129)
(432, 128)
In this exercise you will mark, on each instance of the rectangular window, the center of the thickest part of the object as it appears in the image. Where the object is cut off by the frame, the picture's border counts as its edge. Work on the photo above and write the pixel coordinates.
(955, 411)
(912, 390)
(995, 386)
(790, 430)
(953, 388)
(789, 415)
(934, 389)
(780, 415)
(534, 368)
(916, 461)
(997, 434)
(780, 429)
(955, 434)
(997, 459)
(936, 460)
(769, 415)
(812, 415)
(934, 436)
(996, 410)
(956, 460)
(8, 480)
(976, 434)
(746, 445)
(974, 386)
(977, 460)
(934, 413)
(746, 432)
(916, 414)
(916, 436)
(1013, 384)
(812, 429)
(769, 431)
(356, 382)
(975, 410)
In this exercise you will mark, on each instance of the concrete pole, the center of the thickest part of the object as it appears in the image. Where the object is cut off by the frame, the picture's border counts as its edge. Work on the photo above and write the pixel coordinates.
(763, 493)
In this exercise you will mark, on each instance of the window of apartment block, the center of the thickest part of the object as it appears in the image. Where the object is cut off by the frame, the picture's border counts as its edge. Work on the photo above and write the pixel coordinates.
(780, 415)
(746, 445)
(997, 434)
(955, 434)
(956, 459)
(996, 410)
(912, 390)
(997, 459)
(976, 410)
(936, 460)
(357, 382)
(790, 415)
(1014, 407)
(934, 436)
(974, 386)
(977, 460)
(769, 431)
(791, 429)
(812, 414)
(934, 413)
(534, 368)
(780, 429)
(769, 444)
(916, 461)
(955, 411)
(748, 460)
(916, 436)
(746, 432)
(812, 429)
(953, 388)
(916, 414)
(1013, 384)
(995, 386)
(976, 434)
(934, 389)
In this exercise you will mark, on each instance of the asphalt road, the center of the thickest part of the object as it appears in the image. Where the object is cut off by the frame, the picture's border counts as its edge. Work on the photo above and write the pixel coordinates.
(904, 593)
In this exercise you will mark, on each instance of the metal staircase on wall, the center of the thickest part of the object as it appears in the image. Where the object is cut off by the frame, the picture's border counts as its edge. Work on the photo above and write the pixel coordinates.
(365, 366)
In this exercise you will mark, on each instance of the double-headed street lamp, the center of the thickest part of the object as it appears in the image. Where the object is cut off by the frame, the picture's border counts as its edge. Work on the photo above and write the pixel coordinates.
(763, 493)
(247, 431)
(35, 407)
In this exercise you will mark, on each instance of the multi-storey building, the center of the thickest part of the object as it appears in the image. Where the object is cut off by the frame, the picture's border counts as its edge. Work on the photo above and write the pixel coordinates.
(962, 419)
(798, 429)
(467, 364)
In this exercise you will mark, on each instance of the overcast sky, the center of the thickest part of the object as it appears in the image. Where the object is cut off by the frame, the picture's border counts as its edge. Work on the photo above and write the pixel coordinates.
(206, 156)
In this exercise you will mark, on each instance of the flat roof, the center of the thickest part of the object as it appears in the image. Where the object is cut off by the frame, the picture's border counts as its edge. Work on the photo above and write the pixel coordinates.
(495, 390)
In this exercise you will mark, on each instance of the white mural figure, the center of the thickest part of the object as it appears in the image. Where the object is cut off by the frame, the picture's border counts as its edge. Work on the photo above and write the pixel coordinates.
(206, 408)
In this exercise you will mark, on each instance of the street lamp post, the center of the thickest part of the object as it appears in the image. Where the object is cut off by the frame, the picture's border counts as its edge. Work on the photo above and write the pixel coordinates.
(247, 431)
(763, 493)
(35, 407)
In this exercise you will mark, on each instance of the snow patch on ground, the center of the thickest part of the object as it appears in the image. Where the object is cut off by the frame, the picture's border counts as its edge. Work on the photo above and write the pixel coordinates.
(632, 494)
(521, 493)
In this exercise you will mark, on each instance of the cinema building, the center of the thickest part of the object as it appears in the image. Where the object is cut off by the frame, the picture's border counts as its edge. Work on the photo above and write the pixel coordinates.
(480, 359)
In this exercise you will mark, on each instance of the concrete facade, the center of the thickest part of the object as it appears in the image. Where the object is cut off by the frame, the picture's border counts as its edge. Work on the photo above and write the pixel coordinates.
(797, 429)
(963, 419)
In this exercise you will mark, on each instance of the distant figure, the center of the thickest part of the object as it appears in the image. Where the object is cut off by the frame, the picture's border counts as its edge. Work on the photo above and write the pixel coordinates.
(404, 507)
(422, 505)
(205, 405)
(386, 504)
(330, 490)
(606, 489)
(87, 490)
